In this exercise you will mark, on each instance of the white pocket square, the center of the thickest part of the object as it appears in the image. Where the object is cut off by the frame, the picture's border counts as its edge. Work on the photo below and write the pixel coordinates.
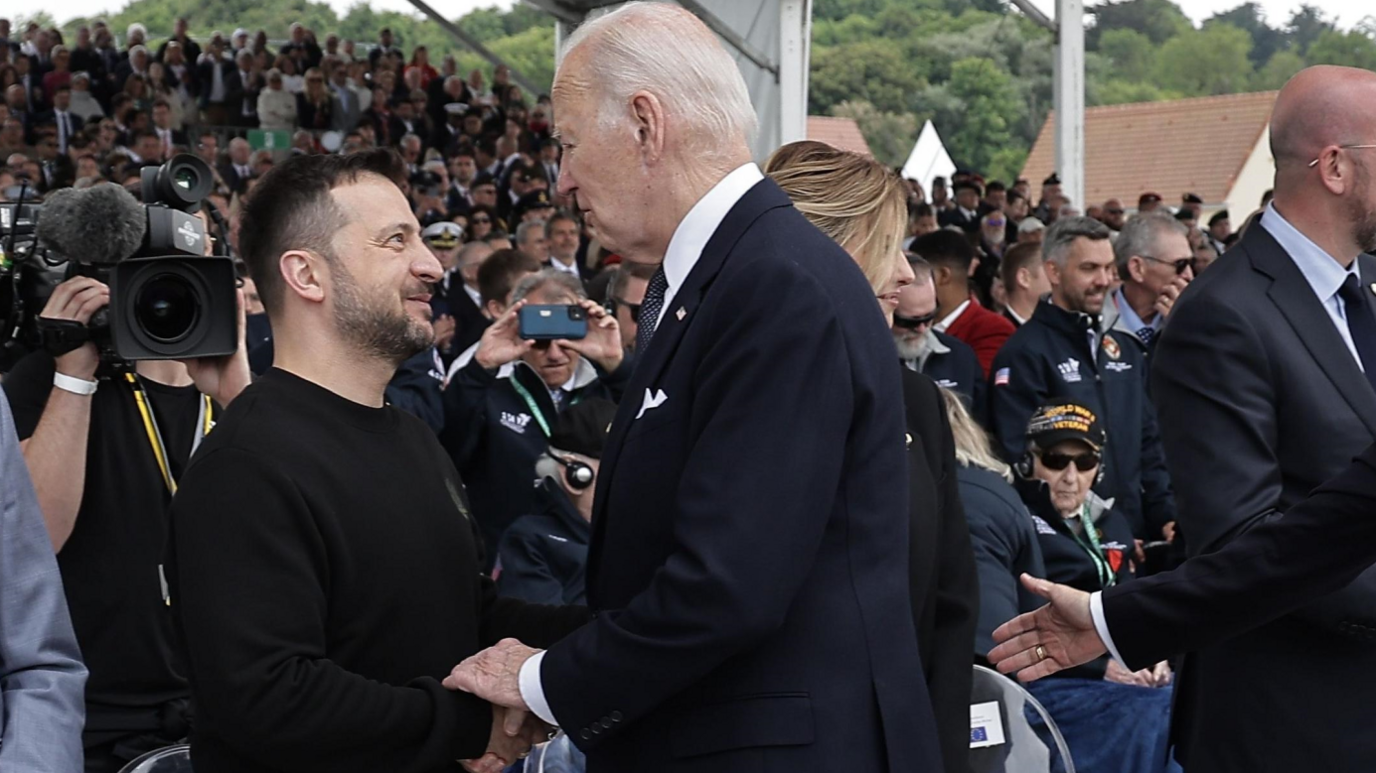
(652, 401)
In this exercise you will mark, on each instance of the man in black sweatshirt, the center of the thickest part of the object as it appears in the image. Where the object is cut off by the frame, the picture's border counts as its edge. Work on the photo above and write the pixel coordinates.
(324, 576)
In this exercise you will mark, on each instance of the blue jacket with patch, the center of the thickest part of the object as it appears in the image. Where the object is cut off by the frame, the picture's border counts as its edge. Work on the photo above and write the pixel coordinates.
(952, 364)
(543, 557)
(494, 435)
(1048, 360)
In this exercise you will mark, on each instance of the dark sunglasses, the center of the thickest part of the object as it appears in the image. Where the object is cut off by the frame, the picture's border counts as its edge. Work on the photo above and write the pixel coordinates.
(1180, 263)
(633, 308)
(913, 323)
(1058, 462)
(1115, 211)
(477, 220)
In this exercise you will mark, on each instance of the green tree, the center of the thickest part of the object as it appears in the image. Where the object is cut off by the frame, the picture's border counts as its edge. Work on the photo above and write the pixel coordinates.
(1129, 52)
(1121, 92)
(1248, 17)
(1205, 62)
(890, 135)
(872, 70)
(1280, 68)
(1305, 25)
(1350, 49)
(991, 106)
(1159, 20)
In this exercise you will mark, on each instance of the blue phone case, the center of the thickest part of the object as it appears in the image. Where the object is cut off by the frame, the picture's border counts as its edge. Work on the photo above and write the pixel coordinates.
(546, 323)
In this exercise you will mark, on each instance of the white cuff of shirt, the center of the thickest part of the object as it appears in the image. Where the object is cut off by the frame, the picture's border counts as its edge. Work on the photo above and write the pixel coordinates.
(531, 690)
(1096, 611)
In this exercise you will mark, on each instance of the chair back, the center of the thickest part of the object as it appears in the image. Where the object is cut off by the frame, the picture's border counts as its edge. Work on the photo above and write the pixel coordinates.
(170, 759)
(1010, 732)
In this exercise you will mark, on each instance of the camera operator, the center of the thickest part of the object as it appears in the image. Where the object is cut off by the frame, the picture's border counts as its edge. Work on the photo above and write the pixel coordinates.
(105, 456)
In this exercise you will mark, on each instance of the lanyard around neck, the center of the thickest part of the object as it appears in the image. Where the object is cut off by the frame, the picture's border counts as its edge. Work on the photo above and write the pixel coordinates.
(532, 405)
(1094, 549)
(204, 422)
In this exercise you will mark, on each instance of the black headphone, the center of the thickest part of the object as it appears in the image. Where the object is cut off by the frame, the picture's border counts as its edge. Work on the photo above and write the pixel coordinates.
(1023, 467)
(580, 474)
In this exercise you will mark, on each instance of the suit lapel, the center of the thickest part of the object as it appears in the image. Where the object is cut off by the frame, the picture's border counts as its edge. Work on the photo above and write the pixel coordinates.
(763, 197)
(1295, 299)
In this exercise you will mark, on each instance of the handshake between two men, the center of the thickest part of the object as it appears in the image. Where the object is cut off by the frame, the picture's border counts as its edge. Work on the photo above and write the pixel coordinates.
(494, 675)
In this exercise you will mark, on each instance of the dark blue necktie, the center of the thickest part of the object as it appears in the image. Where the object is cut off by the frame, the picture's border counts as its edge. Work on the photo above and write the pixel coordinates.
(649, 310)
(1360, 324)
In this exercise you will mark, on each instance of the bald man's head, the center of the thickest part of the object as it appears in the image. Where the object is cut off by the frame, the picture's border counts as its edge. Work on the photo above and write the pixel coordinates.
(1319, 107)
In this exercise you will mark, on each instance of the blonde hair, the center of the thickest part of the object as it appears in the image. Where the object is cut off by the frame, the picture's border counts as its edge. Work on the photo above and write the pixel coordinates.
(857, 201)
(972, 443)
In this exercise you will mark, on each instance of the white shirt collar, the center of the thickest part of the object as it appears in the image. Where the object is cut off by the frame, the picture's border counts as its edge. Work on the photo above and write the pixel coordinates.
(475, 295)
(697, 227)
(1016, 316)
(1322, 271)
(558, 265)
(953, 316)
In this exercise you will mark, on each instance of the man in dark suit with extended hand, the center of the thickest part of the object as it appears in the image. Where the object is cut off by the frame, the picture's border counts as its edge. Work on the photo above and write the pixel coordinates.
(1264, 382)
(749, 552)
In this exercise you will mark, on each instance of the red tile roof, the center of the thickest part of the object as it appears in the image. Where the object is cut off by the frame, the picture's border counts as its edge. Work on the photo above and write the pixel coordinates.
(1180, 146)
(843, 133)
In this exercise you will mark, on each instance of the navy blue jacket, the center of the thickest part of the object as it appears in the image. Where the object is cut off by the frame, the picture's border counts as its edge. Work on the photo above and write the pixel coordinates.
(954, 366)
(494, 437)
(749, 562)
(1049, 359)
(418, 388)
(1005, 546)
(543, 557)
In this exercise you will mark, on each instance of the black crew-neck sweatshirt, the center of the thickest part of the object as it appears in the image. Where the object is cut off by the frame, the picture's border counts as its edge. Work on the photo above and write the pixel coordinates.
(325, 579)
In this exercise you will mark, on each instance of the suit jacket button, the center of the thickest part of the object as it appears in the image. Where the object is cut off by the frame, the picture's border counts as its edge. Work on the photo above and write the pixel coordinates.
(616, 716)
(595, 728)
(586, 735)
(606, 724)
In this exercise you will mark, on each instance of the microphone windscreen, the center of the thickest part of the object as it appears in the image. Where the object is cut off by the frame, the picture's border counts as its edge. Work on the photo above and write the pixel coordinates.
(103, 224)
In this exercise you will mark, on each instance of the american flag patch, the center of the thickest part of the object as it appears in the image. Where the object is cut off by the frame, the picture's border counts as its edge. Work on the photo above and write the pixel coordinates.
(1001, 377)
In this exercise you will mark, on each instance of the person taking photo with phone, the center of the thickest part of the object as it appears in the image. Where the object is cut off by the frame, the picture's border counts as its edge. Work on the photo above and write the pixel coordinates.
(501, 407)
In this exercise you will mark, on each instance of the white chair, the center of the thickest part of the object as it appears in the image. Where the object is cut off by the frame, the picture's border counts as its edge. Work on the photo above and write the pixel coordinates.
(1025, 739)
(170, 759)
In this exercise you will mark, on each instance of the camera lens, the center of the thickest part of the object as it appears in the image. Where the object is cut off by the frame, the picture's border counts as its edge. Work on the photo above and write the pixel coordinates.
(186, 178)
(166, 308)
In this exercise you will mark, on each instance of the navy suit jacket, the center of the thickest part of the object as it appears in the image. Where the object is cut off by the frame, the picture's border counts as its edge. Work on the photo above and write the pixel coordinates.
(749, 560)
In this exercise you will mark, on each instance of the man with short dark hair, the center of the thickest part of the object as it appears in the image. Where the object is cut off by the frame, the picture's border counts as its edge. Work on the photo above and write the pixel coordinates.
(965, 214)
(1113, 214)
(170, 139)
(562, 238)
(315, 632)
(960, 315)
(1220, 228)
(1024, 281)
(1063, 353)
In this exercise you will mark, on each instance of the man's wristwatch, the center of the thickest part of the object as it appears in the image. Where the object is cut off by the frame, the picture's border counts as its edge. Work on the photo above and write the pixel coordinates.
(77, 386)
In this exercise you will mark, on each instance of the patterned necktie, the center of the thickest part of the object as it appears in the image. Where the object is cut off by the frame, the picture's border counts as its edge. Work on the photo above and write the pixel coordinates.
(1360, 324)
(649, 310)
(1147, 334)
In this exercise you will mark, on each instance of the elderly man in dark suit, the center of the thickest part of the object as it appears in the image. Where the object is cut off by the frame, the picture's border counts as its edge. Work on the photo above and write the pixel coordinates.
(749, 552)
(1264, 380)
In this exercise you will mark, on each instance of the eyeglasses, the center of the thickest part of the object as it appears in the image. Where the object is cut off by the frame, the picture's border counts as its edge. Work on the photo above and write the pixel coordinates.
(1315, 162)
(478, 220)
(1180, 263)
(633, 308)
(994, 223)
(1058, 462)
(913, 323)
(1115, 211)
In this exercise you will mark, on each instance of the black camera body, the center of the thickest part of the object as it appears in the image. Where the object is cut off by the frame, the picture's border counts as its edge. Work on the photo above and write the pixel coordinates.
(168, 300)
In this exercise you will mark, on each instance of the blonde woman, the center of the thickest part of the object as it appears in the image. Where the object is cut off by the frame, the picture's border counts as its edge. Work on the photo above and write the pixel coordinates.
(862, 206)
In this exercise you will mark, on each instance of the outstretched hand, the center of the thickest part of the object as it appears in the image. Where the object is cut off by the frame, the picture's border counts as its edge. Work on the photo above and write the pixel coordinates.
(1058, 636)
(514, 732)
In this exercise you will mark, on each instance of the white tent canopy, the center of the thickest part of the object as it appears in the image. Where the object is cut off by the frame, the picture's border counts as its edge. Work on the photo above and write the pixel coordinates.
(929, 159)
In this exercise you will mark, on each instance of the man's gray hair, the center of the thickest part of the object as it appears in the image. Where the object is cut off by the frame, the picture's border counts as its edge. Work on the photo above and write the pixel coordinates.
(923, 273)
(561, 281)
(1063, 233)
(524, 230)
(1140, 237)
(664, 49)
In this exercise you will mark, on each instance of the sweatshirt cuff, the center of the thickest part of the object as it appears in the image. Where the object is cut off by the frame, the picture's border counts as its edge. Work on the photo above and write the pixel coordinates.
(1096, 611)
(532, 692)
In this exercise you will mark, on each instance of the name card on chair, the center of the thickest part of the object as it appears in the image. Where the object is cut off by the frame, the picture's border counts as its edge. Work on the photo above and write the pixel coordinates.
(986, 725)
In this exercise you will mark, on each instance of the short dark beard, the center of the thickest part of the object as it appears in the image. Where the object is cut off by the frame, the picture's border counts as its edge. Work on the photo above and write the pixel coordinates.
(394, 337)
(1363, 211)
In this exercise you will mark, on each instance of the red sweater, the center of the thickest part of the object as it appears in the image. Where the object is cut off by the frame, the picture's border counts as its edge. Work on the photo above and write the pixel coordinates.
(983, 330)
